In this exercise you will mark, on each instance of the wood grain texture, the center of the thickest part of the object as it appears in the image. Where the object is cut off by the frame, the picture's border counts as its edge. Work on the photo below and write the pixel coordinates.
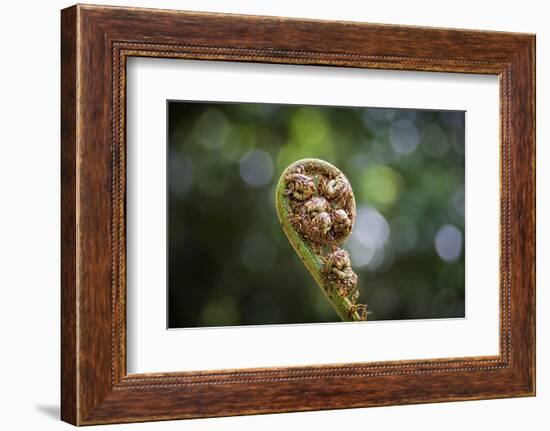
(69, 366)
(96, 41)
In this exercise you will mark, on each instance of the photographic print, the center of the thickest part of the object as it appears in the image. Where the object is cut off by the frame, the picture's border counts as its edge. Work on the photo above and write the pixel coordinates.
(253, 212)
(286, 214)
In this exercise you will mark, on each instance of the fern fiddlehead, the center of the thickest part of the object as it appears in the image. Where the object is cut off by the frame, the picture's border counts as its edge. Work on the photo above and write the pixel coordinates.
(316, 208)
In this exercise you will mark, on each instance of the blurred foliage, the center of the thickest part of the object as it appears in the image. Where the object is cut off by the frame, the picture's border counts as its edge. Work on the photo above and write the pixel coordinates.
(229, 260)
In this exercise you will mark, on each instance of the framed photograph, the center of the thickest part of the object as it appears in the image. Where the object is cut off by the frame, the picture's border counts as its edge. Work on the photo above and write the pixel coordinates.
(264, 214)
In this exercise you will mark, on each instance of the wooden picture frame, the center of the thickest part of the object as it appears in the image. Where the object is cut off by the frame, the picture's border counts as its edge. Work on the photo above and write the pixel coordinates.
(95, 43)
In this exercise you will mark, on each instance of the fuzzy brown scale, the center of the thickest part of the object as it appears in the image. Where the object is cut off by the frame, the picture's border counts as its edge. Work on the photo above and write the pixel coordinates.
(321, 205)
(337, 268)
(300, 186)
(322, 211)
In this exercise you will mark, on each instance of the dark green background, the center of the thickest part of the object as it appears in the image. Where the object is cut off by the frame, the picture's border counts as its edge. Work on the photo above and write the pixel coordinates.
(229, 260)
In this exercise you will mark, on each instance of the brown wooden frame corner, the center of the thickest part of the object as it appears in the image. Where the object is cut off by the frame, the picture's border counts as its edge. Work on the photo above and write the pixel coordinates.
(95, 43)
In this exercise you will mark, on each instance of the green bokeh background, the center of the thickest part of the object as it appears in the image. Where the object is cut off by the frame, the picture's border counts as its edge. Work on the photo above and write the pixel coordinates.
(229, 260)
